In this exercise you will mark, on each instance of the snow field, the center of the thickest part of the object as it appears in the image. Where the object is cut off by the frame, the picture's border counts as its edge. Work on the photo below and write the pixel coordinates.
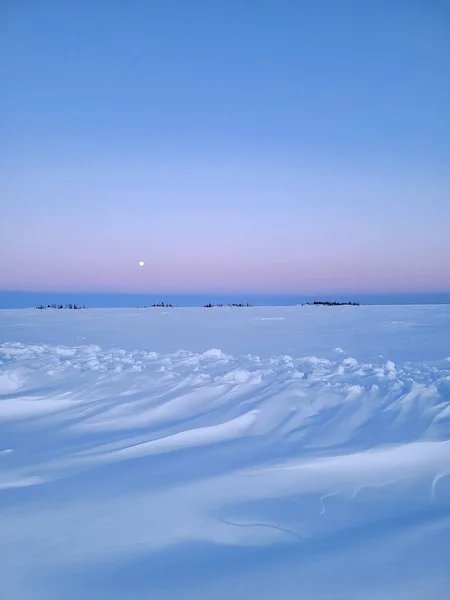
(110, 455)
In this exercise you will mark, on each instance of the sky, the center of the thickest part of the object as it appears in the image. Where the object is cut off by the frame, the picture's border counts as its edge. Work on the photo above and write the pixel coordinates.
(271, 146)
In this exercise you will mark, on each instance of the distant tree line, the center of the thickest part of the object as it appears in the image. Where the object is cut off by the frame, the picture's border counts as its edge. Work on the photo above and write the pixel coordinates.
(69, 306)
(247, 305)
(158, 305)
(330, 303)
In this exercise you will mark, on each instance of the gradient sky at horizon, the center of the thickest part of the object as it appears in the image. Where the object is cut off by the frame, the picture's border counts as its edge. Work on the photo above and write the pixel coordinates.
(261, 146)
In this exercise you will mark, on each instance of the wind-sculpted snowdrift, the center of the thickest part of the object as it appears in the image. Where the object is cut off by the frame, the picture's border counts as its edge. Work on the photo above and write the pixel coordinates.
(138, 474)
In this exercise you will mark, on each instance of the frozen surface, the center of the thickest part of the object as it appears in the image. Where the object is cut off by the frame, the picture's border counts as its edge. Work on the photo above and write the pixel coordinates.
(298, 452)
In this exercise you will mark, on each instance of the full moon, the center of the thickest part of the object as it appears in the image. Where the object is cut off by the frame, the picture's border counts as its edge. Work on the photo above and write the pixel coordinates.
(141, 263)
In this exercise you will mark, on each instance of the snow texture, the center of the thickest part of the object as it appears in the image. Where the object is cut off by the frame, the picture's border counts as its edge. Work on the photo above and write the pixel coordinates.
(283, 453)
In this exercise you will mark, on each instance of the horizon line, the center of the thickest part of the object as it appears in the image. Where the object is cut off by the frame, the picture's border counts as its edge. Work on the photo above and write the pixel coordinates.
(226, 292)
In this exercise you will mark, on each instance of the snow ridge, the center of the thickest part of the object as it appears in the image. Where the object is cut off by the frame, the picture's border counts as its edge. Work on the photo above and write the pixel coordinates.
(236, 451)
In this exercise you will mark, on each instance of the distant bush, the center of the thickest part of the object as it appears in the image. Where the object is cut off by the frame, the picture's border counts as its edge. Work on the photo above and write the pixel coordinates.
(247, 305)
(316, 303)
(157, 305)
(69, 306)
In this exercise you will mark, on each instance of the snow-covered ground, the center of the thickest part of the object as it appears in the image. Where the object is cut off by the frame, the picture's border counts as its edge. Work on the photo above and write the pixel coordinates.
(283, 453)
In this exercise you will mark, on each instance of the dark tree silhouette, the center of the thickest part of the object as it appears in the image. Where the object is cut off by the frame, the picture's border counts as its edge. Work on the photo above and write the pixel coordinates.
(60, 306)
(317, 303)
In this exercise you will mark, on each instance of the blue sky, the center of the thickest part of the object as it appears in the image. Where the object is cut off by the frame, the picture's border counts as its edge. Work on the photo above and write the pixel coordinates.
(275, 146)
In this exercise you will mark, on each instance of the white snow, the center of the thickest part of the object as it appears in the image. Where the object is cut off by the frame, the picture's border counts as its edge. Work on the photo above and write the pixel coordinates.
(228, 453)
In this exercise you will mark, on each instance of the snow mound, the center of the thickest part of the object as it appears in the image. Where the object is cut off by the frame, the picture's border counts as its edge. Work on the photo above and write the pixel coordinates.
(215, 353)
